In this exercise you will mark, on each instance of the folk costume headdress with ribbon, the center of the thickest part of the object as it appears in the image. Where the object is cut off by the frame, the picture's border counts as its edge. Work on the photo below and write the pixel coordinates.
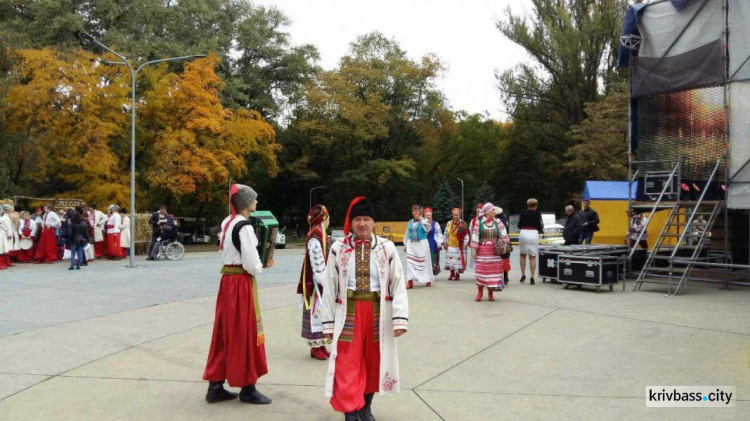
(317, 218)
(427, 210)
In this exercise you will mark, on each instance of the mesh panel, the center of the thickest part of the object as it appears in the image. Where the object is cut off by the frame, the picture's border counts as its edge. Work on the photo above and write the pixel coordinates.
(687, 124)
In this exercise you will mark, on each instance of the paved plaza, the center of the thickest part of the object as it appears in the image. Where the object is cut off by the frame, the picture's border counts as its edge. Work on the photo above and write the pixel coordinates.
(108, 342)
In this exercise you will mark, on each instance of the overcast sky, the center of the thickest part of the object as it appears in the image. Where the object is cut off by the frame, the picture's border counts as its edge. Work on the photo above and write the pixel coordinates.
(462, 33)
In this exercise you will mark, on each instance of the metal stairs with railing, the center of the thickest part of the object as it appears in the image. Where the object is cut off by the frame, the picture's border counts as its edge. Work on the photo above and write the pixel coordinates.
(683, 240)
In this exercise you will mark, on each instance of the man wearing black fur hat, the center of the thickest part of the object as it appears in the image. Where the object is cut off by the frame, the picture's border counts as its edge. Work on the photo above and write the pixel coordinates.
(237, 353)
(364, 308)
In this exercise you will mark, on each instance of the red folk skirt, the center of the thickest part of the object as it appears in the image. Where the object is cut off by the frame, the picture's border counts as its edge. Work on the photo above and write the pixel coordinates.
(46, 250)
(235, 355)
(114, 251)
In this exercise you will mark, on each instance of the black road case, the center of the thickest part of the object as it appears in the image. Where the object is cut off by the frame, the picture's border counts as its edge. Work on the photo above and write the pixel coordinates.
(596, 271)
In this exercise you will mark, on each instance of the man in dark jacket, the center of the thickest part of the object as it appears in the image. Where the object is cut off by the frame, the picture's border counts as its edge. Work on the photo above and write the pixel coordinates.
(572, 230)
(589, 223)
(156, 220)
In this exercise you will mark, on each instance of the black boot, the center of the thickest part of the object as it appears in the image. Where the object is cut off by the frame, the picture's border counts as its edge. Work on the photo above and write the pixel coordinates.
(365, 414)
(352, 416)
(217, 393)
(251, 395)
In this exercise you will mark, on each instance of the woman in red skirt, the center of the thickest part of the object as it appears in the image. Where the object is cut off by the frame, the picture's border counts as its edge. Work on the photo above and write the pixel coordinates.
(484, 237)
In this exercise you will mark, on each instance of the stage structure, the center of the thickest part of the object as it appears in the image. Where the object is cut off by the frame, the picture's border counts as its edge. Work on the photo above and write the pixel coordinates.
(689, 135)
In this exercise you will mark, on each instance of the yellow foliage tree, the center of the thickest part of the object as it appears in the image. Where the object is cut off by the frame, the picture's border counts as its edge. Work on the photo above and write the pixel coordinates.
(70, 110)
(74, 113)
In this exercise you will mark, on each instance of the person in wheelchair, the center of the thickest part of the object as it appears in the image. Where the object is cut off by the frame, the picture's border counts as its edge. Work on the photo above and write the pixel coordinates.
(168, 234)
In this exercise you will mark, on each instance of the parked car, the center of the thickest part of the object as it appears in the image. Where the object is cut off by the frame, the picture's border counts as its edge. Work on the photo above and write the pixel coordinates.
(192, 230)
(337, 235)
(281, 239)
(553, 235)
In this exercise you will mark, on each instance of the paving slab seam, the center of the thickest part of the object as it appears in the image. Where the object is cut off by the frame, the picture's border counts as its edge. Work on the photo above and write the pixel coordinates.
(654, 322)
(482, 350)
(427, 404)
(26, 388)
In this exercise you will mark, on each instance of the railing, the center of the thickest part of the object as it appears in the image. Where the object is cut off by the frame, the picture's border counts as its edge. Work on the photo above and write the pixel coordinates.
(667, 184)
(695, 208)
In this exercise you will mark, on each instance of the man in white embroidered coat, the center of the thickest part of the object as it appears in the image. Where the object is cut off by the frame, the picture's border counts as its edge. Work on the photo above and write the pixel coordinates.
(99, 223)
(365, 307)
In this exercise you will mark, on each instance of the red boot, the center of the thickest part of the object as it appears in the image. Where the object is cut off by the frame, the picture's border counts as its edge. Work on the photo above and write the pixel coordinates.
(458, 277)
(429, 284)
(318, 354)
(489, 295)
(410, 284)
(450, 278)
(325, 350)
(479, 293)
(3, 266)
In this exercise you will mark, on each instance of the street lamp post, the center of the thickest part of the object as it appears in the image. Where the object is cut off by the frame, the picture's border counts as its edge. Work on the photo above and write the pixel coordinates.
(311, 192)
(462, 197)
(133, 74)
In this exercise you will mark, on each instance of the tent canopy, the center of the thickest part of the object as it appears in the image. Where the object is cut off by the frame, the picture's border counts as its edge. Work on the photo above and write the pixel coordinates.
(608, 190)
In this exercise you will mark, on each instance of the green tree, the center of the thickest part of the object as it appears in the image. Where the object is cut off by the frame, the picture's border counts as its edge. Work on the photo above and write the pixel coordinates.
(573, 45)
(361, 130)
(445, 199)
(600, 149)
(484, 194)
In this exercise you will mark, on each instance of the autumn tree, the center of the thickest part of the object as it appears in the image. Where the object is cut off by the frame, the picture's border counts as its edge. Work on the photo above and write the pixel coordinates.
(72, 114)
(260, 67)
(362, 128)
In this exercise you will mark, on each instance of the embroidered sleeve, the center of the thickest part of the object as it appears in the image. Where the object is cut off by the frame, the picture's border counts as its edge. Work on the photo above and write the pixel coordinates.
(438, 235)
(330, 289)
(400, 299)
(474, 234)
(317, 260)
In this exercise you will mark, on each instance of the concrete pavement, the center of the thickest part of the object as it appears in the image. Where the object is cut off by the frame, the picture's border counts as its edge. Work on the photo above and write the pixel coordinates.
(113, 343)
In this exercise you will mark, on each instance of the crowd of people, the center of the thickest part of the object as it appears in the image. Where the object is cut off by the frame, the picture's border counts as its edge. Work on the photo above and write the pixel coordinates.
(78, 235)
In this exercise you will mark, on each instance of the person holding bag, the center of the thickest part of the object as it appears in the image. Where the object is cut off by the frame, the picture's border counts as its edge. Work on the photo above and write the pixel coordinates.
(489, 240)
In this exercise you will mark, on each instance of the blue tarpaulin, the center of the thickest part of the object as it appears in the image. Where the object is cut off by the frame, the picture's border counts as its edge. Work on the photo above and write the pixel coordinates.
(680, 4)
(608, 190)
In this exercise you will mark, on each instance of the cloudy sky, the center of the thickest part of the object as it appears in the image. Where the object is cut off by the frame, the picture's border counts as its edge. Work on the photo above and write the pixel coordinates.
(462, 33)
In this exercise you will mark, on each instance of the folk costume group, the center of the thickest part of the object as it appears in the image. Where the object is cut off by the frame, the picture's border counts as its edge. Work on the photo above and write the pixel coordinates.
(353, 296)
(45, 236)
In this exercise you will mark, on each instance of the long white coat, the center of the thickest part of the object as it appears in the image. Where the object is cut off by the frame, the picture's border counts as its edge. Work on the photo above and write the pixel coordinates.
(125, 232)
(100, 223)
(6, 234)
(394, 314)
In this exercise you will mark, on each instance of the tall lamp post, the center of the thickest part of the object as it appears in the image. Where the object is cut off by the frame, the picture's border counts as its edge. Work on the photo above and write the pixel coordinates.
(311, 192)
(133, 74)
(462, 197)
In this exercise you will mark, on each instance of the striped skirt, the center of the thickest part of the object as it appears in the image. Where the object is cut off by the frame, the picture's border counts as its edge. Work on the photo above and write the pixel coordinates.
(453, 260)
(419, 262)
(489, 271)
